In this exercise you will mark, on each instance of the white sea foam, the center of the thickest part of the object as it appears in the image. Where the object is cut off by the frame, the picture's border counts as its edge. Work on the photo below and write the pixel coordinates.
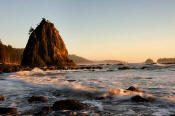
(95, 103)
(38, 76)
(113, 92)
(161, 112)
(111, 86)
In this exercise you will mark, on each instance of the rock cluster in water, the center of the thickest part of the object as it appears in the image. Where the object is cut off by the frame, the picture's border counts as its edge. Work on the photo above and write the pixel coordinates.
(71, 105)
(45, 47)
(67, 104)
(37, 99)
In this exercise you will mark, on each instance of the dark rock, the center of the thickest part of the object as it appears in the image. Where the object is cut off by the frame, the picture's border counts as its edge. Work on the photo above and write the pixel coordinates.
(16, 68)
(68, 104)
(2, 98)
(100, 98)
(132, 88)
(45, 47)
(7, 69)
(27, 68)
(37, 99)
(138, 98)
(98, 67)
(144, 67)
(71, 80)
(87, 67)
(0, 71)
(149, 78)
(124, 68)
(45, 110)
(8, 110)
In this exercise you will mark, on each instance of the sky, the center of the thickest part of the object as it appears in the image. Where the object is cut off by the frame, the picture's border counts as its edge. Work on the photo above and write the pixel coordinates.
(127, 30)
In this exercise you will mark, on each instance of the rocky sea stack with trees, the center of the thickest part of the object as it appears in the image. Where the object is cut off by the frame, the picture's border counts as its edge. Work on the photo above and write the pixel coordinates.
(45, 47)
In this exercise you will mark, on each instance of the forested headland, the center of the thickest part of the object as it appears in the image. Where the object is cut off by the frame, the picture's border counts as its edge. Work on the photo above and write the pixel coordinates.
(10, 55)
(166, 61)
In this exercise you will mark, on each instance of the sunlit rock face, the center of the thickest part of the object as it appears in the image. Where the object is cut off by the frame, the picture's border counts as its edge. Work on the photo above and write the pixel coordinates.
(45, 47)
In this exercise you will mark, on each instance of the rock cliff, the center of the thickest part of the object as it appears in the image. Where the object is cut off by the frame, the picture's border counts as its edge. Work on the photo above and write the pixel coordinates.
(45, 47)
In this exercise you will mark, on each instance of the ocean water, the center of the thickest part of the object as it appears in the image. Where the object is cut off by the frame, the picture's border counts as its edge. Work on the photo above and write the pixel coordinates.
(87, 86)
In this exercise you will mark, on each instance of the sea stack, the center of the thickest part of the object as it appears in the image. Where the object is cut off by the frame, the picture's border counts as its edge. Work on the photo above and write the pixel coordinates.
(45, 47)
(149, 61)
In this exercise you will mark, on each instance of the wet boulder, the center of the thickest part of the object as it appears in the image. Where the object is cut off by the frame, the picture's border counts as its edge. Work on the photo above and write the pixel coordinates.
(139, 98)
(7, 69)
(2, 98)
(144, 67)
(16, 68)
(37, 99)
(99, 67)
(124, 68)
(71, 80)
(8, 110)
(68, 104)
(100, 98)
(45, 110)
(132, 88)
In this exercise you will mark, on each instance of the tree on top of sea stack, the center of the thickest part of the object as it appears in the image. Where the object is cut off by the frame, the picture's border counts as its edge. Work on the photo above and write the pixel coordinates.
(45, 47)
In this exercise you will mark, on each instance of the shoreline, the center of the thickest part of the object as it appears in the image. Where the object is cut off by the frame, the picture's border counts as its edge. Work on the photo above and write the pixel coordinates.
(8, 68)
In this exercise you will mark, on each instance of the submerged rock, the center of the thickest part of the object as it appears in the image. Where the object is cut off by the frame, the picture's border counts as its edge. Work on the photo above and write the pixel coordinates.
(45, 47)
(138, 98)
(37, 99)
(68, 104)
(8, 110)
(2, 98)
